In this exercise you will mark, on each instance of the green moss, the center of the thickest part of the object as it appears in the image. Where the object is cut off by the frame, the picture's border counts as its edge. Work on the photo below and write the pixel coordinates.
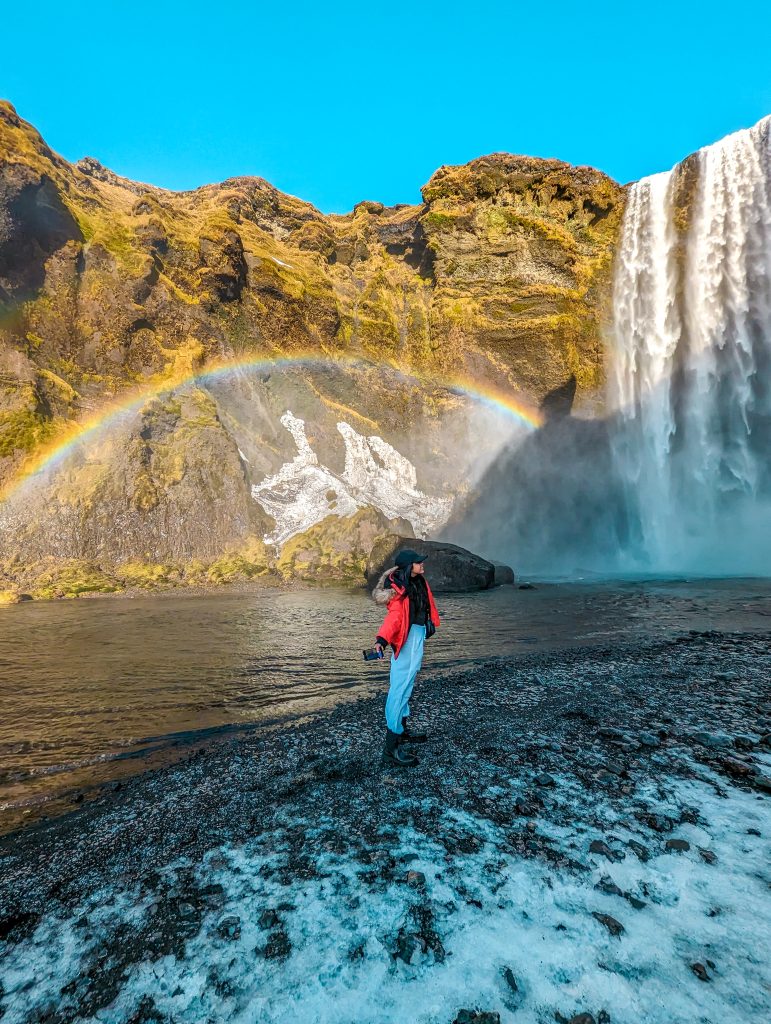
(148, 576)
(438, 220)
(72, 578)
(22, 430)
(334, 550)
(247, 563)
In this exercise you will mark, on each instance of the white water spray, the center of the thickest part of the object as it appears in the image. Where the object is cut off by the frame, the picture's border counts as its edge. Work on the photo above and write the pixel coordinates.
(692, 380)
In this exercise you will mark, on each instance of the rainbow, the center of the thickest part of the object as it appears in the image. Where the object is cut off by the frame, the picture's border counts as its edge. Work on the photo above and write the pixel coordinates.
(76, 433)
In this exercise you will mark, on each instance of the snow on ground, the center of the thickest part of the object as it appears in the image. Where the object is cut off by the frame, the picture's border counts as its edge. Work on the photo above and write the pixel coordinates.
(415, 936)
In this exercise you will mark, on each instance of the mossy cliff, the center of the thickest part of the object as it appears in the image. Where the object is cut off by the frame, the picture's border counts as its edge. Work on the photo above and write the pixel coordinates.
(500, 275)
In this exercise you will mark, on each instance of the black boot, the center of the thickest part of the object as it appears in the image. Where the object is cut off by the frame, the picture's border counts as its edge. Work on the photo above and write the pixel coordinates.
(394, 752)
(411, 737)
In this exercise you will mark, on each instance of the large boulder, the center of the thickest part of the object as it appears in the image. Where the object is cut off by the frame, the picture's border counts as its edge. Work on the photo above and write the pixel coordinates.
(450, 569)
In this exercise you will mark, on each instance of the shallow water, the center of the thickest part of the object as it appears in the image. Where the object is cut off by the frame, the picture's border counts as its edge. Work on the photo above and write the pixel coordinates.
(93, 690)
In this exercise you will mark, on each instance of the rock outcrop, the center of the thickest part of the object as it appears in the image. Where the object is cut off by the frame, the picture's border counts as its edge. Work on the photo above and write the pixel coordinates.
(106, 282)
(500, 276)
(451, 569)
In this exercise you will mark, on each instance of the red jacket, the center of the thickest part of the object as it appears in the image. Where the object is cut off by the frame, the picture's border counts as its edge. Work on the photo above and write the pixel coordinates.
(396, 624)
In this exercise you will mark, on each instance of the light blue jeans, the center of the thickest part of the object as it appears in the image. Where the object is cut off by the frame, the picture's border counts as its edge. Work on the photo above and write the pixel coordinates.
(403, 672)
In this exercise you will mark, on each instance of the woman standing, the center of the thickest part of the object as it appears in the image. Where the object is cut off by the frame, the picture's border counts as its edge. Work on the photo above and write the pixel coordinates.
(410, 619)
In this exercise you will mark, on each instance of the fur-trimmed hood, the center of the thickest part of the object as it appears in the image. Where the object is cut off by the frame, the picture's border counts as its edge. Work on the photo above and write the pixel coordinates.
(383, 594)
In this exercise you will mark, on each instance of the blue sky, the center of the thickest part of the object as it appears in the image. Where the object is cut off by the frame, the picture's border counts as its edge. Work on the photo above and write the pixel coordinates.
(337, 104)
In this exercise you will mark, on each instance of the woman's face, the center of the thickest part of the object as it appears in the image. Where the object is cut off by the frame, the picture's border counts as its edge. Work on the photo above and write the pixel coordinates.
(417, 569)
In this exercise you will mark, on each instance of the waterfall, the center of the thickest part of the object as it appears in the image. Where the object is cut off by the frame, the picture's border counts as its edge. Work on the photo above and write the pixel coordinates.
(691, 377)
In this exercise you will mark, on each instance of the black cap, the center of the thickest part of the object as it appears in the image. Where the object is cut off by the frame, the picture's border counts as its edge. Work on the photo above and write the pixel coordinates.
(408, 557)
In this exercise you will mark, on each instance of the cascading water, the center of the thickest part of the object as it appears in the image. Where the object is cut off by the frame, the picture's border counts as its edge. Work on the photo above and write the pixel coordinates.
(692, 367)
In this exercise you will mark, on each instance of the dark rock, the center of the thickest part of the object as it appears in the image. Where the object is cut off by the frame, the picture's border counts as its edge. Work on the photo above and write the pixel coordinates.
(527, 586)
(678, 845)
(634, 901)
(711, 739)
(268, 919)
(762, 782)
(700, 971)
(648, 739)
(146, 1013)
(753, 832)
(16, 927)
(511, 981)
(600, 847)
(658, 822)
(477, 1017)
(229, 927)
(418, 935)
(607, 885)
(504, 575)
(610, 733)
(278, 947)
(738, 769)
(544, 779)
(614, 927)
(408, 945)
(450, 569)
(707, 855)
(744, 742)
(416, 878)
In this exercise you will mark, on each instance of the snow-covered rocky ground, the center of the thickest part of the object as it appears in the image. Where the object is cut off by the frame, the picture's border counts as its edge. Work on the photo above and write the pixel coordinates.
(585, 839)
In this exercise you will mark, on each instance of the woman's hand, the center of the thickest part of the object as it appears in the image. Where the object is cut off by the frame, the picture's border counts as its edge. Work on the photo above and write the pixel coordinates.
(378, 647)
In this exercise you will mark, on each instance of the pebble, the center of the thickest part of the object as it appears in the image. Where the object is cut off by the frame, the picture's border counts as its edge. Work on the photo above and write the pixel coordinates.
(700, 971)
(711, 739)
(416, 878)
(609, 733)
(544, 779)
(648, 739)
(707, 855)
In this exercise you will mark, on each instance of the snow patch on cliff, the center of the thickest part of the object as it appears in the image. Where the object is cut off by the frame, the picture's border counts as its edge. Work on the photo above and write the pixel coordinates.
(303, 492)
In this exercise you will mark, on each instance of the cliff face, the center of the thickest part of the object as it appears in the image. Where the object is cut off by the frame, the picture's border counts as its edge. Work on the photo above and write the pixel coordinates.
(501, 275)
